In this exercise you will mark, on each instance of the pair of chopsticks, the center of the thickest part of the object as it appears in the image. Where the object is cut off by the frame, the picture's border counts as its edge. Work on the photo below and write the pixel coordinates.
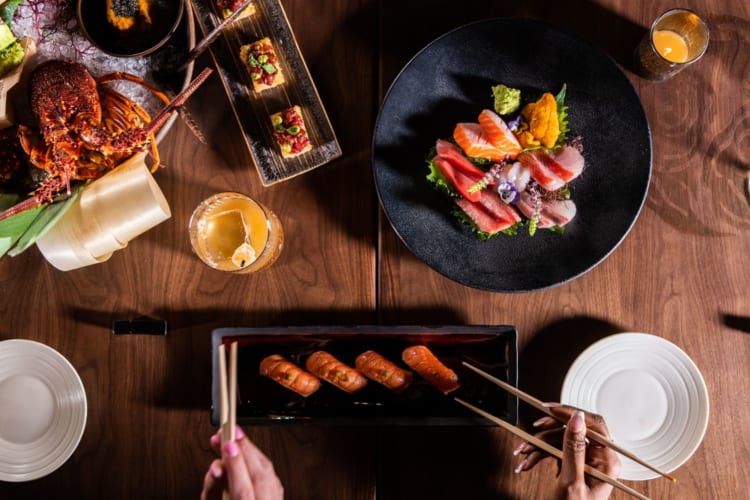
(591, 434)
(227, 395)
(212, 36)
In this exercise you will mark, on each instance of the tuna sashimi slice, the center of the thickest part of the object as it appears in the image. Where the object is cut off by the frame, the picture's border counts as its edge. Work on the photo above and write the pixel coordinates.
(497, 207)
(451, 153)
(498, 134)
(459, 180)
(540, 172)
(471, 138)
(484, 220)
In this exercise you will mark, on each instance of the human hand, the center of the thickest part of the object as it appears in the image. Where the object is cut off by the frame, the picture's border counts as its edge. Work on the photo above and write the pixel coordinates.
(572, 483)
(248, 473)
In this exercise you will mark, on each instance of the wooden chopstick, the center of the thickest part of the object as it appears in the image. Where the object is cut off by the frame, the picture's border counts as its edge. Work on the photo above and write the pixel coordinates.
(592, 434)
(232, 390)
(551, 449)
(227, 396)
(223, 394)
(212, 36)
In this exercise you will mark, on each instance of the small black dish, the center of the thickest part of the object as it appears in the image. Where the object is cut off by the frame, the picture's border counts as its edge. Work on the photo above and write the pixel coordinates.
(139, 40)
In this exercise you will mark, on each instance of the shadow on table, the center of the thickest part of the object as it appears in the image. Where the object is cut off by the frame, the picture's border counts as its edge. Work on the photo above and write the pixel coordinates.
(741, 323)
(615, 34)
(179, 364)
(545, 360)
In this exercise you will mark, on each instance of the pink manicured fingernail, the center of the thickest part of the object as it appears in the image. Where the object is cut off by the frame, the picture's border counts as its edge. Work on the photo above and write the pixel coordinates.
(215, 440)
(215, 470)
(231, 449)
(577, 423)
(238, 434)
(551, 405)
(541, 421)
(518, 450)
(520, 467)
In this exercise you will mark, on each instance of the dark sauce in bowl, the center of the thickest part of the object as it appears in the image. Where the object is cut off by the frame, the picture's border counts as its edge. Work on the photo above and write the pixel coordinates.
(140, 39)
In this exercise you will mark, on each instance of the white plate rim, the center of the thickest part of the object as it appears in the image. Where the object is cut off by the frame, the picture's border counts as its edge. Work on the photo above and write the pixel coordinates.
(76, 406)
(640, 340)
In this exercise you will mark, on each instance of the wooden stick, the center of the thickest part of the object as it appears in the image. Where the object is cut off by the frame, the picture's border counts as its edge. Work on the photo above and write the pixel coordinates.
(212, 36)
(232, 390)
(551, 450)
(223, 394)
(227, 397)
(592, 434)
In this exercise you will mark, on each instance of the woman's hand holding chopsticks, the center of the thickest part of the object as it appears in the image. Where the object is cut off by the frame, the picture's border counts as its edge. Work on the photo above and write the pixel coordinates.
(572, 483)
(243, 470)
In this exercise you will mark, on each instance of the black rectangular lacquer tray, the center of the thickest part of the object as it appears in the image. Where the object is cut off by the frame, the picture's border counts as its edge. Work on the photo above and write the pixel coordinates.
(262, 401)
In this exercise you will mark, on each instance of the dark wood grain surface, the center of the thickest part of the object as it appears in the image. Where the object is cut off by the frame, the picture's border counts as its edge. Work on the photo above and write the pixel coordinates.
(680, 274)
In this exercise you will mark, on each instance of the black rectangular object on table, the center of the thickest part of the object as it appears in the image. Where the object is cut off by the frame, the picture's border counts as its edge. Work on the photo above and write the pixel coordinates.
(262, 401)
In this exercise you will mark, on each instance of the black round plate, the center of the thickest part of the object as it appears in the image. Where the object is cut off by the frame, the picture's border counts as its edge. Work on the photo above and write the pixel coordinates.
(449, 81)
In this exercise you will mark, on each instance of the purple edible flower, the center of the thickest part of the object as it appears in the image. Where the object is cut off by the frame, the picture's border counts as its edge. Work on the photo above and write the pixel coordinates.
(508, 192)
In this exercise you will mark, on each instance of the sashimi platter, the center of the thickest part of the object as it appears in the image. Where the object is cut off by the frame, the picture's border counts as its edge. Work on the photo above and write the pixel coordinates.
(516, 166)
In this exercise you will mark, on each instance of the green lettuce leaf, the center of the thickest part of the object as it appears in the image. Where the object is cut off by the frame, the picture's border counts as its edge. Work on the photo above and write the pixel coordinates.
(438, 180)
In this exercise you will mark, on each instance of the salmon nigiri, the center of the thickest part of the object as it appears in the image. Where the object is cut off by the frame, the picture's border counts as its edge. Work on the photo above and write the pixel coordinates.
(472, 139)
(498, 134)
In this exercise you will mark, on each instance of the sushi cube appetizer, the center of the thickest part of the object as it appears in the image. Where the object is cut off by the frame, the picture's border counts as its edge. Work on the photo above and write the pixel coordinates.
(290, 132)
(227, 7)
(261, 62)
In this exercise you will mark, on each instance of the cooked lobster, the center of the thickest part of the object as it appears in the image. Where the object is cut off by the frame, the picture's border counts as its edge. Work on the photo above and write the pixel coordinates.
(85, 128)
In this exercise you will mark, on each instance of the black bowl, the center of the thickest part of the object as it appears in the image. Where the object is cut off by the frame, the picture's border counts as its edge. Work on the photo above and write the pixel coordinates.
(139, 40)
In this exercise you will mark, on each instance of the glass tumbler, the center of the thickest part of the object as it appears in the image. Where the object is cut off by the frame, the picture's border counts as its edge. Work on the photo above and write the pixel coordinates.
(677, 39)
(234, 233)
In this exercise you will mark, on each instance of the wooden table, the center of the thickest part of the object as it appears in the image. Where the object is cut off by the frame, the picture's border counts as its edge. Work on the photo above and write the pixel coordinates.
(681, 274)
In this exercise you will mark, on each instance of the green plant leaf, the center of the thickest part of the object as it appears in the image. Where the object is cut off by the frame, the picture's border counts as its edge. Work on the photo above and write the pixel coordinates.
(13, 228)
(7, 9)
(47, 218)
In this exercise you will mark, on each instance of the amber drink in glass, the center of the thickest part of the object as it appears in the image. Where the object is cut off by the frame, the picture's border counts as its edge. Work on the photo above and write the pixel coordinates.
(234, 233)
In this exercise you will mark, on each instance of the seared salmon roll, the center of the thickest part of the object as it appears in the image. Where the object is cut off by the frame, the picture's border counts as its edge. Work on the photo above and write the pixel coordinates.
(330, 369)
(377, 368)
(291, 376)
(424, 362)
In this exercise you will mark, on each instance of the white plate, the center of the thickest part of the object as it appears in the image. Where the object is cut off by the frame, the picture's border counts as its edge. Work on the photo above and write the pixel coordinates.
(42, 410)
(651, 394)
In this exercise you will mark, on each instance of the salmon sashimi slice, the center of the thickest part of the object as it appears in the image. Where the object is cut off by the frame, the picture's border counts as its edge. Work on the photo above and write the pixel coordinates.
(498, 134)
(472, 139)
